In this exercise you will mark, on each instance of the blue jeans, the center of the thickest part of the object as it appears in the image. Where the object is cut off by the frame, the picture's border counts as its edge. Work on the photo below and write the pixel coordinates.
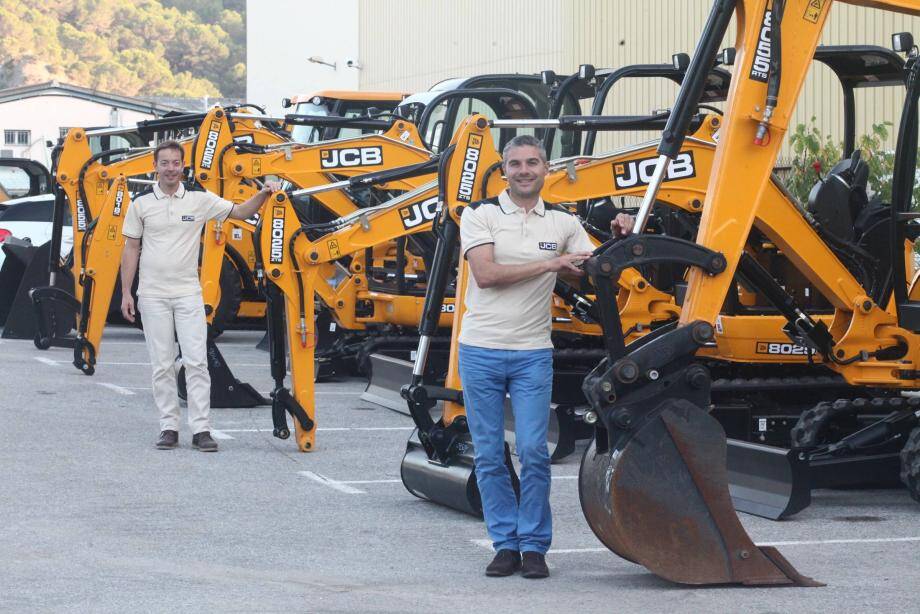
(527, 375)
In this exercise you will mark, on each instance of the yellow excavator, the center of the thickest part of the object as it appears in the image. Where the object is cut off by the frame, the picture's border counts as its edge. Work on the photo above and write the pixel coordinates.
(653, 484)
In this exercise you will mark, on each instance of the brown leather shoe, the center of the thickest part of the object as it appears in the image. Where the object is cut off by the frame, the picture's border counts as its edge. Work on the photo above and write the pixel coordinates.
(203, 442)
(168, 440)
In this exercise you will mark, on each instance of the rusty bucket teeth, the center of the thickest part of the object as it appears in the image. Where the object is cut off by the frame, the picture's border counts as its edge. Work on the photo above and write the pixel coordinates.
(659, 497)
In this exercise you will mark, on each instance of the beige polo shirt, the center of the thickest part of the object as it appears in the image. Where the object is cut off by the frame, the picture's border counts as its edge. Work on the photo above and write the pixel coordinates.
(517, 316)
(170, 227)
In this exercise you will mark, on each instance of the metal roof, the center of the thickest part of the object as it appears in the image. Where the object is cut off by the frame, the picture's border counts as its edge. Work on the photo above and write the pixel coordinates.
(55, 88)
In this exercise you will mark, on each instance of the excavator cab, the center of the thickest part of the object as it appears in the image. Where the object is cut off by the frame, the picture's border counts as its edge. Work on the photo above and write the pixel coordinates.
(439, 111)
(338, 103)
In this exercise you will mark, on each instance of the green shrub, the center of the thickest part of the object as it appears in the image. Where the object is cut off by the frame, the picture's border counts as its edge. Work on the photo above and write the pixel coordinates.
(810, 147)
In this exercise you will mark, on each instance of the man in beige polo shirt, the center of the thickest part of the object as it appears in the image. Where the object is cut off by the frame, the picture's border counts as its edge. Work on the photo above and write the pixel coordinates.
(516, 245)
(169, 220)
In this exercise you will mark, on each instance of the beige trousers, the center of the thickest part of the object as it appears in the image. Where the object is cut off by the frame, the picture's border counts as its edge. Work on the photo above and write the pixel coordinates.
(164, 320)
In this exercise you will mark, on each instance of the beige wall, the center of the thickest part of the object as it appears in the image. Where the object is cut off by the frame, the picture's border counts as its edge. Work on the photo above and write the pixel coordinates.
(411, 44)
(408, 45)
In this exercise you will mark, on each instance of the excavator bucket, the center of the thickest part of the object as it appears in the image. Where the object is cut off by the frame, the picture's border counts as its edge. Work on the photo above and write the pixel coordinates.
(450, 484)
(658, 496)
(767, 481)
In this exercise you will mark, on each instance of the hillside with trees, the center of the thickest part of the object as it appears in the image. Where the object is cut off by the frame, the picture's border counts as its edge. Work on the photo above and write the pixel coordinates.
(180, 48)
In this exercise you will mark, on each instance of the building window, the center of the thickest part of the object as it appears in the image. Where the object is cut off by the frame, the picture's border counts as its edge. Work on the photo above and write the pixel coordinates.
(63, 132)
(17, 137)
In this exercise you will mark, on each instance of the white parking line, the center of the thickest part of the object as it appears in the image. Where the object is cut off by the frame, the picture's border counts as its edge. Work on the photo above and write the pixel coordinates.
(48, 361)
(330, 428)
(875, 540)
(339, 486)
(485, 543)
(220, 435)
(119, 389)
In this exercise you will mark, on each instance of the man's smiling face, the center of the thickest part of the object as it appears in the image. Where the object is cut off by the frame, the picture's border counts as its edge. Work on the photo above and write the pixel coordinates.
(526, 171)
(169, 166)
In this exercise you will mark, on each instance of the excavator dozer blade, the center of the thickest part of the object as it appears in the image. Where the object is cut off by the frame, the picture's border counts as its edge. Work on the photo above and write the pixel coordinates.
(453, 484)
(48, 317)
(767, 481)
(388, 376)
(658, 496)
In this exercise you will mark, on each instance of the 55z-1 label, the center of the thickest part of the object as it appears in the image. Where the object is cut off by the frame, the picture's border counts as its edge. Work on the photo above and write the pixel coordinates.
(639, 172)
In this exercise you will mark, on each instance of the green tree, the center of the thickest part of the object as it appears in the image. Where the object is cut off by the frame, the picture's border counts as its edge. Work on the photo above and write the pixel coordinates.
(130, 47)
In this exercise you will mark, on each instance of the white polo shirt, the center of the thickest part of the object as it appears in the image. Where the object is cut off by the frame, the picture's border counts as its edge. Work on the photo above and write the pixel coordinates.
(170, 227)
(516, 316)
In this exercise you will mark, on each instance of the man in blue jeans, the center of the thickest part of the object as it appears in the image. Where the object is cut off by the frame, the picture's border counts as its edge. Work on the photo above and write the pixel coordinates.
(516, 245)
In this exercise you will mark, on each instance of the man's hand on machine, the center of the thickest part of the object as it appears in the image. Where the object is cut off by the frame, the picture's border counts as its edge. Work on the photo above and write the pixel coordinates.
(270, 186)
(622, 224)
(568, 263)
(127, 307)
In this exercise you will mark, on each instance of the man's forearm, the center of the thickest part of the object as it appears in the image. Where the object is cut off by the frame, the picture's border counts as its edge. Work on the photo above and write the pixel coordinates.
(248, 208)
(498, 275)
(129, 258)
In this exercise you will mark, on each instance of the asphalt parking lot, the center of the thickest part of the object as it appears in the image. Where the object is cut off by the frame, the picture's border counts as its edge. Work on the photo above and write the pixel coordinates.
(94, 519)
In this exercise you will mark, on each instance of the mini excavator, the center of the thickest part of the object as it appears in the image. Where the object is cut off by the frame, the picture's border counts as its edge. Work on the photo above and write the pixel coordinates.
(653, 484)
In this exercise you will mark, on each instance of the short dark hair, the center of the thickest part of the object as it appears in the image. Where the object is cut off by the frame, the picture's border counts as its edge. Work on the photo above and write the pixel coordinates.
(170, 144)
(525, 140)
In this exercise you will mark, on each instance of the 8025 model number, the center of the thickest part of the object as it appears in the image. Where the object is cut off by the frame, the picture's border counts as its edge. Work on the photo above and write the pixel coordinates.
(782, 349)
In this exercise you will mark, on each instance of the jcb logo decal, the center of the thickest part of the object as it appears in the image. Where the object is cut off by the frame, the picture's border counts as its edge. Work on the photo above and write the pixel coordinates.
(760, 68)
(419, 213)
(119, 199)
(210, 145)
(276, 254)
(782, 349)
(351, 156)
(470, 166)
(639, 172)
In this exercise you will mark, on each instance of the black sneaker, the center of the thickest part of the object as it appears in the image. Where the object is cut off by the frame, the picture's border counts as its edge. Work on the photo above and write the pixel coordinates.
(534, 566)
(505, 563)
(204, 442)
(168, 440)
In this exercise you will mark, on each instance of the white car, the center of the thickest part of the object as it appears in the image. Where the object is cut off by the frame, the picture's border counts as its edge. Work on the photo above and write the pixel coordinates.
(29, 219)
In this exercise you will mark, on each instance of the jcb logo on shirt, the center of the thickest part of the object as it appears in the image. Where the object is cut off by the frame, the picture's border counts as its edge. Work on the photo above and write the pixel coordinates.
(550, 247)
(470, 166)
(351, 156)
(639, 172)
(276, 254)
(210, 145)
(188, 218)
(419, 213)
